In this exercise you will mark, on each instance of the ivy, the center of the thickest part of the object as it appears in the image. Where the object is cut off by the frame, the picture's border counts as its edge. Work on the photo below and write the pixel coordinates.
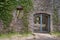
(27, 6)
(7, 6)
(55, 15)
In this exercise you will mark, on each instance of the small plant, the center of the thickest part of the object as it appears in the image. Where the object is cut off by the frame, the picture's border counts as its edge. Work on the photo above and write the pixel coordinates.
(56, 33)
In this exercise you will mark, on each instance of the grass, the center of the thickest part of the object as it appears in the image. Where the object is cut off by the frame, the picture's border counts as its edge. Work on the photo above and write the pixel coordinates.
(7, 35)
(56, 33)
(12, 34)
(26, 34)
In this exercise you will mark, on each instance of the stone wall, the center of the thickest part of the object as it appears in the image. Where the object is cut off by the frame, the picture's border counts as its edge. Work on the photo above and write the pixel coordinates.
(16, 24)
(1, 26)
(57, 5)
(40, 6)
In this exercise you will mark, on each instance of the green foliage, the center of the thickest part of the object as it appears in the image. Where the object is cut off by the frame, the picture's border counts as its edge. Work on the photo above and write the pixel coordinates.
(56, 33)
(27, 6)
(55, 16)
(6, 7)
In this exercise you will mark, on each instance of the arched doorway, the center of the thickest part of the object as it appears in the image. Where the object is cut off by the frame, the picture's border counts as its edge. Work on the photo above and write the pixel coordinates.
(42, 22)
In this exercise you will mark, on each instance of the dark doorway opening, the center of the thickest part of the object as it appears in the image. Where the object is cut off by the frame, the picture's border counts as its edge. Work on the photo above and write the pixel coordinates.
(41, 22)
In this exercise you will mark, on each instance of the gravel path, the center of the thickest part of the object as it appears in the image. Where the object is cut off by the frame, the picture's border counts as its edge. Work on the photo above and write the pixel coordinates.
(38, 36)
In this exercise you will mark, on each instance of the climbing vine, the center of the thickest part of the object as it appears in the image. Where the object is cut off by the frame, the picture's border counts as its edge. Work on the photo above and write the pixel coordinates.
(55, 14)
(27, 6)
(55, 18)
(6, 7)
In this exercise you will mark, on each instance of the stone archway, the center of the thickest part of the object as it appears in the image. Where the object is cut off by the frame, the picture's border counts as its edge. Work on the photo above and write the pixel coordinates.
(41, 22)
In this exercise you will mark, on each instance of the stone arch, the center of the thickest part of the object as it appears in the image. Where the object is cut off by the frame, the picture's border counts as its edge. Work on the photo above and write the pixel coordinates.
(42, 22)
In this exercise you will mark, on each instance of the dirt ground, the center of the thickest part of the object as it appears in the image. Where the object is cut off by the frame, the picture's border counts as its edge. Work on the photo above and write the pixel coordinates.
(37, 36)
